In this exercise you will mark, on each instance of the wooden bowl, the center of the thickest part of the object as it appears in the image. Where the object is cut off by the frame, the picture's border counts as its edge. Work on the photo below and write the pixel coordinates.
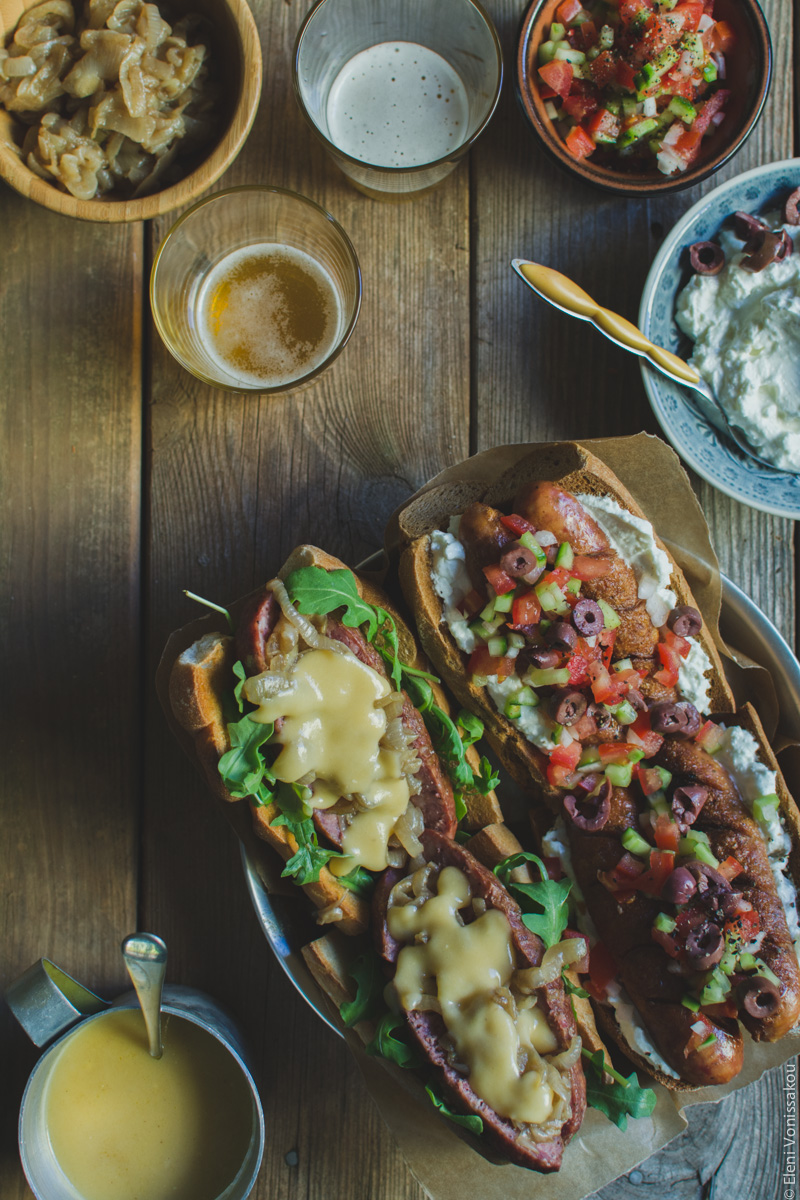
(236, 51)
(749, 72)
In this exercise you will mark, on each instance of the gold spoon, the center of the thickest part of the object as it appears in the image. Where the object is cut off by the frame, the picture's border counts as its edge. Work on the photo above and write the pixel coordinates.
(145, 957)
(564, 294)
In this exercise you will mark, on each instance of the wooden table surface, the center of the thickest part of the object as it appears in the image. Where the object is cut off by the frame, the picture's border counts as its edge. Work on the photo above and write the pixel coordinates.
(125, 480)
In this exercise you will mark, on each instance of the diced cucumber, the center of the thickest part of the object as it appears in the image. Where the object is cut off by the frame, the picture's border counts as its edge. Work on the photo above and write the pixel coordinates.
(527, 697)
(504, 603)
(693, 42)
(710, 71)
(665, 59)
(664, 922)
(512, 710)
(557, 32)
(547, 676)
(636, 844)
(567, 54)
(709, 1041)
(659, 804)
(497, 646)
(516, 640)
(625, 713)
(574, 586)
(528, 540)
(690, 1003)
(637, 132)
(614, 106)
(748, 962)
(610, 619)
(685, 111)
(623, 664)
(606, 39)
(703, 853)
(765, 808)
(551, 110)
(547, 51)
(763, 969)
(565, 556)
(620, 774)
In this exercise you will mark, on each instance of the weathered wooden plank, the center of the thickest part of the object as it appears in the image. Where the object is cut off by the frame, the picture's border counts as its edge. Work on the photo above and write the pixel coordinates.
(235, 484)
(70, 404)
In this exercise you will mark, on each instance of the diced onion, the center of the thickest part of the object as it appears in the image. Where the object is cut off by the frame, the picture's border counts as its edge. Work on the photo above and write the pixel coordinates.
(310, 635)
(545, 538)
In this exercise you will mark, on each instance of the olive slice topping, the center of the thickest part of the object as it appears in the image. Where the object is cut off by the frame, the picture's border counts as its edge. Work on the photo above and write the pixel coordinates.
(545, 657)
(668, 717)
(758, 996)
(707, 258)
(791, 209)
(705, 946)
(590, 813)
(587, 617)
(746, 226)
(568, 705)
(679, 886)
(693, 718)
(562, 636)
(518, 561)
(686, 804)
(766, 247)
(685, 621)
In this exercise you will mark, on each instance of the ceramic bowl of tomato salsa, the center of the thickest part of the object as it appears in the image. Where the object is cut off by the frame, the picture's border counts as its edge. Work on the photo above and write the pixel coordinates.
(643, 97)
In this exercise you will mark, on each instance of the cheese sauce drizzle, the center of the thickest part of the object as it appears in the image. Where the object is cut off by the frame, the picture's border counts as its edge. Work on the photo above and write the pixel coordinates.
(497, 1030)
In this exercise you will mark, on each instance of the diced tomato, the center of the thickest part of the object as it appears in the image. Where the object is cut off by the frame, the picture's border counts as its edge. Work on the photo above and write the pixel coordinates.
(668, 675)
(588, 32)
(602, 969)
(472, 603)
(526, 610)
(720, 38)
(730, 868)
(710, 108)
(579, 106)
(709, 737)
(606, 639)
(680, 645)
(667, 833)
(566, 756)
(613, 752)
(518, 525)
(666, 941)
(662, 863)
(743, 927)
(604, 689)
(497, 577)
(691, 11)
(481, 662)
(675, 84)
(568, 10)
(630, 9)
(557, 75)
(626, 75)
(558, 575)
(578, 142)
(688, 144)
(649, 779)
(578, 672)
(640, 734)
(661, 33)
(585, 566)
(604, 68)
(606, 125)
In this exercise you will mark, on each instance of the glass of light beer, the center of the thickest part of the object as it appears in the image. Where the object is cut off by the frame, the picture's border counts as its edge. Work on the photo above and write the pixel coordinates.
(256, 289)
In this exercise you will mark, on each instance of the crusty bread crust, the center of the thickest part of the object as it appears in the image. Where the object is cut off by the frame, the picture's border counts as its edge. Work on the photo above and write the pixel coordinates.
(576, 470)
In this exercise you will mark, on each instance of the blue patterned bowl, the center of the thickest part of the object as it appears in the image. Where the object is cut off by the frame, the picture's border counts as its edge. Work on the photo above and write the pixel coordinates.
(705, 450)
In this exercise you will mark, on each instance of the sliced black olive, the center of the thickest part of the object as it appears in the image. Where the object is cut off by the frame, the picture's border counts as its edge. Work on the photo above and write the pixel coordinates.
(591, 813)
(587, 617)
(705, 946)
(758, 996)
(746, 226)
(709, 881)
(693, 718)
(707, 258)
(545, 657)
(568, 706)
(517, 560)
(561, 635)
(603, 720)
(686, 804)
(762, 249)
(668, 717)
(791, 209)
(685, 621)
(679, 887)
(785, 246)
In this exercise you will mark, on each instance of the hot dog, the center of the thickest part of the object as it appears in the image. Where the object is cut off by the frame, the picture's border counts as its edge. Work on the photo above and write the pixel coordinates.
(542, 612)
(320, 673)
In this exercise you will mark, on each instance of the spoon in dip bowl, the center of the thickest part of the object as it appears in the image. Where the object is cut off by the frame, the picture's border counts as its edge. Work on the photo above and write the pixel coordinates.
(564, 294)
(145, 957)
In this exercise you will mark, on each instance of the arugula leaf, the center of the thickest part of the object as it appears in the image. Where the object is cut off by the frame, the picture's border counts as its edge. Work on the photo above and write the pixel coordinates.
(544, 904)
(449, 747)
(421, 693)
(618, 1100)
(473, 1123)
(242, 767)
(486, 779)
(471, 725)
(572, 989)
(309, 858)
(390, 648)
(358, 880)
(370, 982)
(318, 592)
(210, 604)
(397, 1049)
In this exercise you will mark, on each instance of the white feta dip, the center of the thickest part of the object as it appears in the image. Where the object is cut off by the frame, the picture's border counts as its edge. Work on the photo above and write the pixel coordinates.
(746, 331)
(738, 754)
(634, 540)
(452, 584)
